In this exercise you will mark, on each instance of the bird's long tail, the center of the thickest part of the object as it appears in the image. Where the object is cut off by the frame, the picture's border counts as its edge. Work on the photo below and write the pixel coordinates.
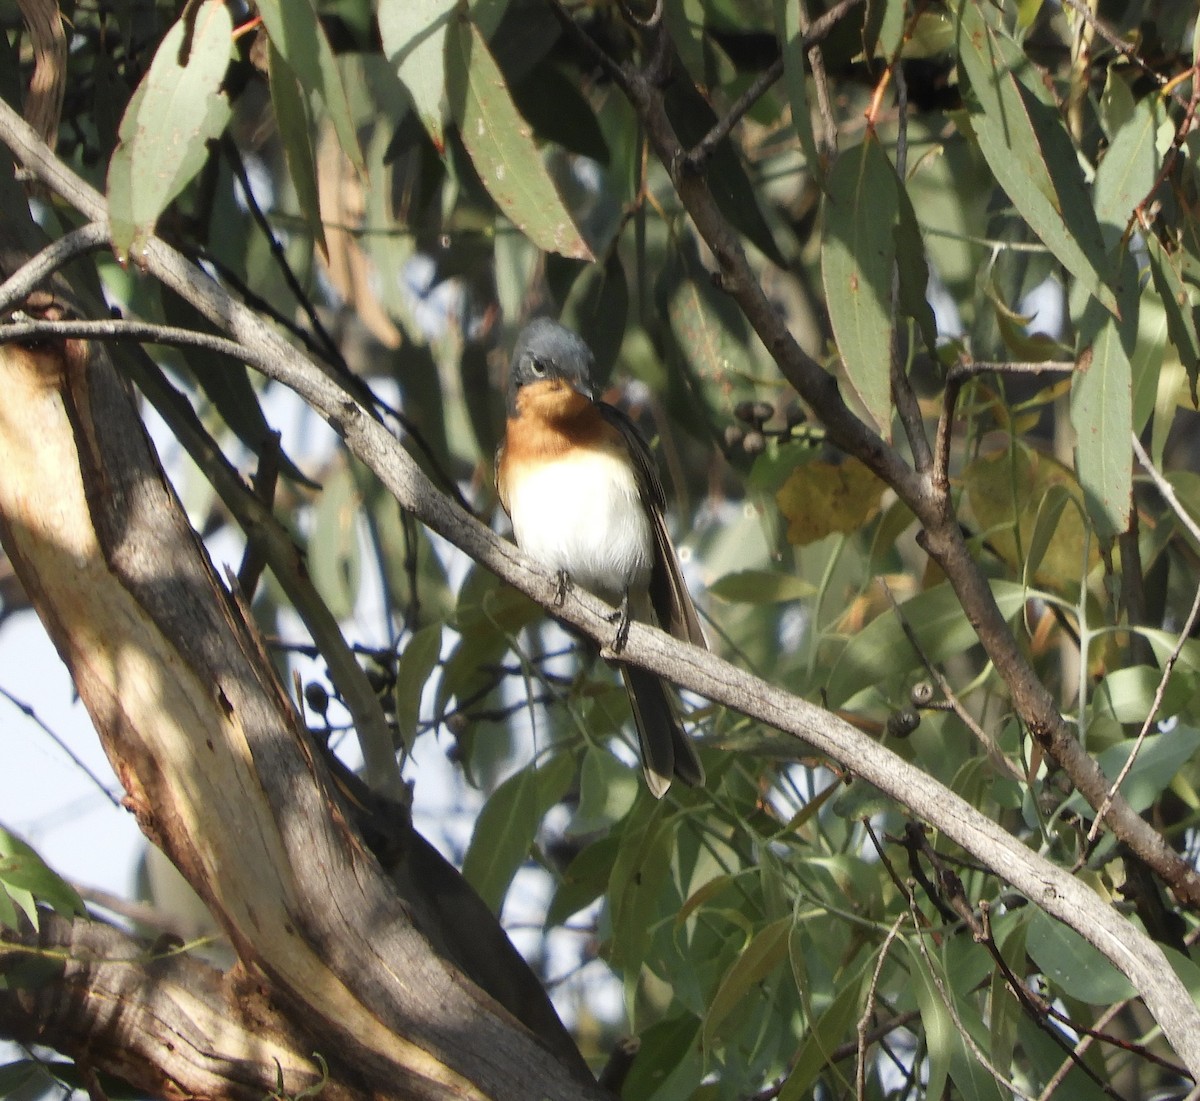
(667, 751)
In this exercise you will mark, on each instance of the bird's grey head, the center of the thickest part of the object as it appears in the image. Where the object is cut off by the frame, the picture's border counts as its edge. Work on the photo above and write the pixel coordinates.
(547, 350)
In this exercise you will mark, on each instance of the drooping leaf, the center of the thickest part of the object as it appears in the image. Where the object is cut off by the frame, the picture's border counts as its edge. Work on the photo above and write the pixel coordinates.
(501, 146)
(413, 33)
(1029, 152)
(761, 587)
(1159, 759)
(708, 333)
(912, 268)
(1076, 967)
(607, 789)
(1177, 299)
(585, 879)
(766, 951)
(508, 823)
(858, 257)
(334, 554)
(795, 76)
(635, 888)
(598, 308)
(295, 135)
(1017, 499)
(822, 1038)
(820, 498)
(1102, 408)
(948, 1054)
(174, 112)
(417, 663)
(295, 30)
(1128, 169)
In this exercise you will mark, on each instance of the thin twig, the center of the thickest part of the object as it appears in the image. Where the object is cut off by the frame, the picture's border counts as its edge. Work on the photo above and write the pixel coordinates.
(860, 1063)
(816, 32)
(908, 408)
(960, 372)
(39, 268)
(120, 329)
(331, 349)
(29, 713)
(966, 1036)
(1164, 487)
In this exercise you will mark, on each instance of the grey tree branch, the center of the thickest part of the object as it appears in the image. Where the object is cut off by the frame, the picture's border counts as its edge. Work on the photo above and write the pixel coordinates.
(928, 497)
(1051, 888)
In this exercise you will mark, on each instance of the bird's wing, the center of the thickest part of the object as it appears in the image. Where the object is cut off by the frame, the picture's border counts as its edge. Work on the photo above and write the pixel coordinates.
(669, 594)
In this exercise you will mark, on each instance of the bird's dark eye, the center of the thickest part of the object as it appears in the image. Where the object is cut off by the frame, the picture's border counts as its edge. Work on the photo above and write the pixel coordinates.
(537, 367)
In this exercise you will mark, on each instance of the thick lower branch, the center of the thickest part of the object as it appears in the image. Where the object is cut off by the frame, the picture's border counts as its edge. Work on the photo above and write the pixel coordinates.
(166, 1024)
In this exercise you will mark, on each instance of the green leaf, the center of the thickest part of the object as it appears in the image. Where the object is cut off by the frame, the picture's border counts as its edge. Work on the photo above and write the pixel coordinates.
(761, 587)
(881, 649)
(765, 952)
(1076, 967)
(1159, 759)
(823, 1036)
(607, 790)
(1029, 152)
(1102, 409)
(598, 309)
(668, 1064)
(177, 108)
(585, 879)
(795, 77)
(1045, 527)
(1177, 300)
(295, 30)
(295, 134)
(508, 823)
(413, 670)
(1127, 694)
(334, 555)
(636, 886)
(1129, 169)
(413, 33)
(23, 874)
(858, 258)
(501, 146)
(708, 330)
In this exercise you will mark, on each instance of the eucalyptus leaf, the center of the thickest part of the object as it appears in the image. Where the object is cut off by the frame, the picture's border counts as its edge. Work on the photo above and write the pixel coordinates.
(858, 259)
(178, 107)
(508, 823)
(501, 146)
(295, 30)
(1032, 157)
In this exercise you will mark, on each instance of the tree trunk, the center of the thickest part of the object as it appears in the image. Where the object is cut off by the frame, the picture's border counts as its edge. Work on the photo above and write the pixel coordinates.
(221, 775)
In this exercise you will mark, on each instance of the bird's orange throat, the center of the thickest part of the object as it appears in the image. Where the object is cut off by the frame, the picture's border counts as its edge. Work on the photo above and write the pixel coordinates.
(553, 418)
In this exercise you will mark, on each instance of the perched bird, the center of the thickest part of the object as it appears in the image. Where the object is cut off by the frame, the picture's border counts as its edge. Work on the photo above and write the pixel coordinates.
(579, 484)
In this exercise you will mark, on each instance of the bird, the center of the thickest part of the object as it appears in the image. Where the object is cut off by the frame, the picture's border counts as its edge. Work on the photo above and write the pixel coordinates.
(581, 490)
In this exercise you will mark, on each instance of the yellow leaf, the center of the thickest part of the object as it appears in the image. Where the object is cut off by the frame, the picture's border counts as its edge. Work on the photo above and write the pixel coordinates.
(820, 498)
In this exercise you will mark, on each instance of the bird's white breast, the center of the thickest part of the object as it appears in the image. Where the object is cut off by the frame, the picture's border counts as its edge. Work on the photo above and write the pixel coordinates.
(582, 514)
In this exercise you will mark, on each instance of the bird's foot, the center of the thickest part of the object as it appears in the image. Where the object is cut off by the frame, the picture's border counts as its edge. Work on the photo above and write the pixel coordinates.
(562, 587)
(621, 618)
